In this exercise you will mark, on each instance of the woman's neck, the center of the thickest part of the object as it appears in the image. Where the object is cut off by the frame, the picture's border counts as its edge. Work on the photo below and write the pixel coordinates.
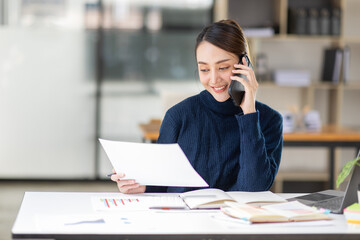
(226, 108)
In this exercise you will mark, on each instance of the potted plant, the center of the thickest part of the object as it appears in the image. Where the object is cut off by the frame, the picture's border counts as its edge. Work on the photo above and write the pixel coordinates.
(347, 169)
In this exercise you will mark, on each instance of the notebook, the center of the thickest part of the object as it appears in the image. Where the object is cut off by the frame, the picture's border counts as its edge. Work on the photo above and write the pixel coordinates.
(334, 200)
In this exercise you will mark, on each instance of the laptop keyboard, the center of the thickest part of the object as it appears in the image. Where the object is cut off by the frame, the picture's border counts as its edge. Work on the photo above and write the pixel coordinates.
(333, 204)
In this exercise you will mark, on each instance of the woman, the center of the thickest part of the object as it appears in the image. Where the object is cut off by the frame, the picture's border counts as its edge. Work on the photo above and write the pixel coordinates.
(234, 148)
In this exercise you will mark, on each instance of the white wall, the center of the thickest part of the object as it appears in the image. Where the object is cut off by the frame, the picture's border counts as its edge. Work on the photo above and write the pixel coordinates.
(46, 104)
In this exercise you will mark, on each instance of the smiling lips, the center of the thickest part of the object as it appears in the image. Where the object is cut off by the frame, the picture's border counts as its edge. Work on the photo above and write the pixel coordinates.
(219, 89)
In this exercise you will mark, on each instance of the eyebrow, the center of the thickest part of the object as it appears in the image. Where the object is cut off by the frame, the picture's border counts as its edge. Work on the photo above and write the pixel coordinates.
(221, 61)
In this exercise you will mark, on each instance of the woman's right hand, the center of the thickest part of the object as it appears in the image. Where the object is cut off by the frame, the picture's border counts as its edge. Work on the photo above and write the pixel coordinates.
(128, 186)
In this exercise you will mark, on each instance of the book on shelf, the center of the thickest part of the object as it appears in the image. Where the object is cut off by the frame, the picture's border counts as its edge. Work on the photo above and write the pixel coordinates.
(332, 64)
(213, 198)
(346, 64)
(281, 212)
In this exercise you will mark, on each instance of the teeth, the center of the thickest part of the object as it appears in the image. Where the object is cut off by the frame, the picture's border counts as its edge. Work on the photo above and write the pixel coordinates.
(217, 89)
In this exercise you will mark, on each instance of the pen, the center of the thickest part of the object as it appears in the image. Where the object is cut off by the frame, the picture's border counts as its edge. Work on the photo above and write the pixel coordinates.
(110, 174)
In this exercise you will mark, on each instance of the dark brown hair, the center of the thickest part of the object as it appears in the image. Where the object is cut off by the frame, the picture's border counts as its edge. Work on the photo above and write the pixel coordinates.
(225, 34)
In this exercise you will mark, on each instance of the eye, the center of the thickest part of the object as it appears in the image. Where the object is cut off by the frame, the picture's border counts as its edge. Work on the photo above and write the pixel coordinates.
(223, 68)
(204, 70)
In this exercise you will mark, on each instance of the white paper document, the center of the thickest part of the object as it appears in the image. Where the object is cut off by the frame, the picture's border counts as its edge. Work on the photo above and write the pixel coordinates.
(133, 202)
(152, 164)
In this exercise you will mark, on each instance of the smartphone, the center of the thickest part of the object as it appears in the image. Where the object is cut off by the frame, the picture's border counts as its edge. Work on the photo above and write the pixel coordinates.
(236, 89)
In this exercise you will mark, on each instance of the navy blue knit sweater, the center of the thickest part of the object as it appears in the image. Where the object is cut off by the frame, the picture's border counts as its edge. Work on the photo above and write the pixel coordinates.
(230, 150)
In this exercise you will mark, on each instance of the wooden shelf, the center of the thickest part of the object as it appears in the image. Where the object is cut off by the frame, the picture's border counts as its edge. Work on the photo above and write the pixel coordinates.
(272, 84)
(352, 39)
(293, 37)
(325, 85)
(351, 86)
(320, 85)
(329, 133)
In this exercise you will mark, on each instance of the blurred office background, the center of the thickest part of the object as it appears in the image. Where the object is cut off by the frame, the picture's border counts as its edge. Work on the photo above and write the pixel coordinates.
(75, 71)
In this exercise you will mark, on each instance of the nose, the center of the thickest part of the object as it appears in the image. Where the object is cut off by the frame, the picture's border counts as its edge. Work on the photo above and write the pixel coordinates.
(214, 78)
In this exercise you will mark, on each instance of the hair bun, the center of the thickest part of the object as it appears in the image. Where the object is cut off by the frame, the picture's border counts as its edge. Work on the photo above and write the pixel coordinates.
(231, 22)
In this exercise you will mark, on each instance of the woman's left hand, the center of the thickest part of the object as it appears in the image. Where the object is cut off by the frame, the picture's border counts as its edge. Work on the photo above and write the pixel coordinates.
(251, 86)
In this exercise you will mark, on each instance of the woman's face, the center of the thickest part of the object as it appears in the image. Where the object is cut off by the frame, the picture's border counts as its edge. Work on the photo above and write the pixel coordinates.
(215, 66)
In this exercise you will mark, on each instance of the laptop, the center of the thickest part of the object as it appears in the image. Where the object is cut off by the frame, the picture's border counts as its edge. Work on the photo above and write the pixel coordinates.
(334, 200)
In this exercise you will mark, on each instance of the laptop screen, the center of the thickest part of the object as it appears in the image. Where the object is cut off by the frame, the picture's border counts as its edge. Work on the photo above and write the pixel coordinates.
(316, 197)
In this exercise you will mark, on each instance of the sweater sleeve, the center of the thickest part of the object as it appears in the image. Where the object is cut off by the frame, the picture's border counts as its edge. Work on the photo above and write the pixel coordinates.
(169, 130)
(168, 134)
(260, 152)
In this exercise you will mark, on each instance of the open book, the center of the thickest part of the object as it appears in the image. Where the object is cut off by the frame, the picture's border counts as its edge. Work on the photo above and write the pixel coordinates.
(281, 212)
(216, 198)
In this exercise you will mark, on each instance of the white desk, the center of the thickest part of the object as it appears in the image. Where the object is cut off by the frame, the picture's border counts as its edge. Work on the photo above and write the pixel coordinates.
(42, 216)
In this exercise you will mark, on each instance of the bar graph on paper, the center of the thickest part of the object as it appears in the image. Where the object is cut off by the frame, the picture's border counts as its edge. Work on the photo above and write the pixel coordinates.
(119, 202)
(102, 203)
(105, 203)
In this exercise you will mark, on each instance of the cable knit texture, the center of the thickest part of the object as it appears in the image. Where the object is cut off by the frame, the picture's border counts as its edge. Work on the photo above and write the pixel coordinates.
(230, 150)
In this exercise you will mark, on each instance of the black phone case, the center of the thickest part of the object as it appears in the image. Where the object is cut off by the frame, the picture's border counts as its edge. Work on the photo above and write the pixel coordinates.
(236, 89)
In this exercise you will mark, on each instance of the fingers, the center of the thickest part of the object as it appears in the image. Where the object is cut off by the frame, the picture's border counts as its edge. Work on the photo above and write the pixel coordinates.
(127, 186)
(244, 69)
(244, 61)
(139, 189)
(117, 177)
(121, 183)
(241, 80)
(132, 188)
(243, 66)
(243, 72)
(250, 76)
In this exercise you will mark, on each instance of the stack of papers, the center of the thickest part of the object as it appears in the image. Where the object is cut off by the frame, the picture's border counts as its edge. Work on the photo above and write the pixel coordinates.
(352, 213)
(281, 212)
